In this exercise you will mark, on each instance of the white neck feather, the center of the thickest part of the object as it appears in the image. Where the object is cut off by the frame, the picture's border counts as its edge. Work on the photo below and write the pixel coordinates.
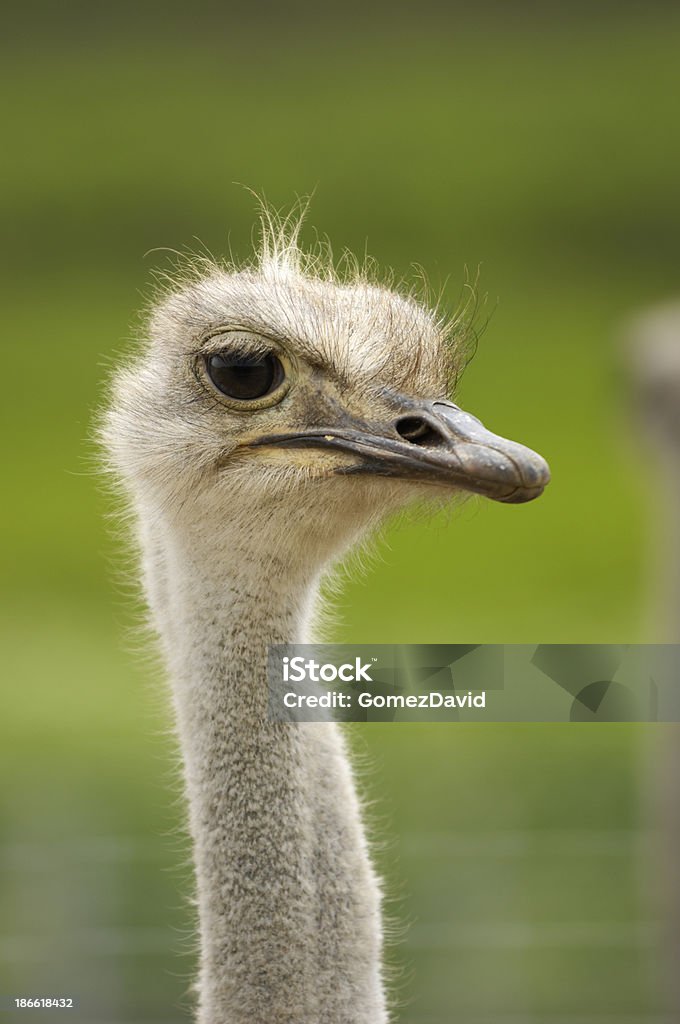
(289, 907)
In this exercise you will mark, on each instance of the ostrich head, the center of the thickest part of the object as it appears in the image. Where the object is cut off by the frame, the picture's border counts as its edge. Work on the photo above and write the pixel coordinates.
(280, 396)
(653, 356)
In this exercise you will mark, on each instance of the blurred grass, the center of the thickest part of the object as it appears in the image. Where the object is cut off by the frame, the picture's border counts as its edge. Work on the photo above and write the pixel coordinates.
(546, 152)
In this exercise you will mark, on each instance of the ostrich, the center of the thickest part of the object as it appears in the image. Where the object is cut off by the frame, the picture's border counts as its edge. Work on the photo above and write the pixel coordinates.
(276, 414)
(652, 343)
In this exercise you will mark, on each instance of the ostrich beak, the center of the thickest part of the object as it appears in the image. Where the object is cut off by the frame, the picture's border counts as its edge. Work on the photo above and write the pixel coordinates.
(434, 442)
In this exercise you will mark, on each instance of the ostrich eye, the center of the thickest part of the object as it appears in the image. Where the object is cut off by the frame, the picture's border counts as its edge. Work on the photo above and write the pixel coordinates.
(244, 377)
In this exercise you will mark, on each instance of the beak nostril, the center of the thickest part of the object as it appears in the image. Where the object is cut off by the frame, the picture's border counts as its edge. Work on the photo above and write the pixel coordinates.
(418, 431)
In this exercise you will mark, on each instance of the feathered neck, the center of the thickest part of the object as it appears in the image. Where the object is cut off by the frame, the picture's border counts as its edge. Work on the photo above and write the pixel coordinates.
(288, 904)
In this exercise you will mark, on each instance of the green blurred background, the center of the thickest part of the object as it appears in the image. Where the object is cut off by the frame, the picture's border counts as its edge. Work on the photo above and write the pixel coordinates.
(540, 142)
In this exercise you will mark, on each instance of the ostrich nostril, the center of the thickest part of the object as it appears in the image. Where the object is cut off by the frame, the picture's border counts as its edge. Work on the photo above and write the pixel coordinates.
(418, 431)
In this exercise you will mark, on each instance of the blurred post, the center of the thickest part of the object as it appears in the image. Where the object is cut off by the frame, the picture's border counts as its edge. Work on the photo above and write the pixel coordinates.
(652, 343)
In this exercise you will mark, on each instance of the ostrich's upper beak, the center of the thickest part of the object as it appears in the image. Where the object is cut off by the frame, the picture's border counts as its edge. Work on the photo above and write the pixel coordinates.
(435, 442)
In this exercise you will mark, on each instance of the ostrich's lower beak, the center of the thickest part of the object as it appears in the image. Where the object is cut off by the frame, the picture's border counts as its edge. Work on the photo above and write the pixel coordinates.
(435, 442)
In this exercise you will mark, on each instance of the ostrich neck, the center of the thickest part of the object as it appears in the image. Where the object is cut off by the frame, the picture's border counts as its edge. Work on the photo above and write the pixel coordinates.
(664, 616)
(288, 905)
(672, 597)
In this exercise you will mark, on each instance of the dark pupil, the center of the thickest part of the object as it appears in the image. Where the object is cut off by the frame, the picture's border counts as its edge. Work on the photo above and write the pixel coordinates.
(243, 376)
